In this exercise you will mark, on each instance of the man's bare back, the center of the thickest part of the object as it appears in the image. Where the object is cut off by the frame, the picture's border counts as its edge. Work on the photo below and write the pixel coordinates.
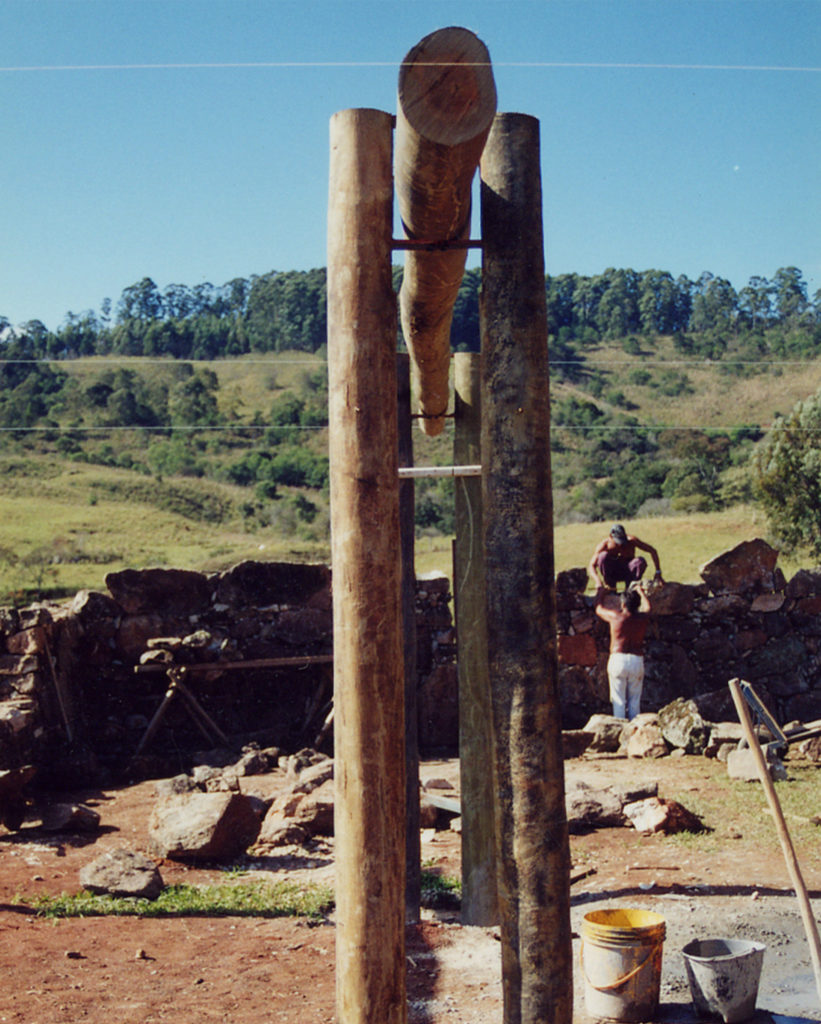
(627, 628)
(627, 632)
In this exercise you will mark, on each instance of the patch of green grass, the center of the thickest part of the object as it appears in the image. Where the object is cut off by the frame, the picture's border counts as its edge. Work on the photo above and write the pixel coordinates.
(744, 807)
(440, 892)
(259, 899)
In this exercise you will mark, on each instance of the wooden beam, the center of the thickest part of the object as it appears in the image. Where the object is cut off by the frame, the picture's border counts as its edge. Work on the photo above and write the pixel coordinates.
(303, 660)
(369, 698)
(446, 103)
(533, 860)
(479, 906)
(407, 527)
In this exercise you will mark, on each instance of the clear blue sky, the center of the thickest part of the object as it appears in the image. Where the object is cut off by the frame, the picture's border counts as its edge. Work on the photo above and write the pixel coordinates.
(704, 157)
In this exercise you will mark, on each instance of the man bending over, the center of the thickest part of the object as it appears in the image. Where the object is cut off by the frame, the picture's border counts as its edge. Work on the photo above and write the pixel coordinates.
(615, 560)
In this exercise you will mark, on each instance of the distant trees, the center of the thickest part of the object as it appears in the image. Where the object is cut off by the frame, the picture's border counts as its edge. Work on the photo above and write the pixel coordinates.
(286, 311)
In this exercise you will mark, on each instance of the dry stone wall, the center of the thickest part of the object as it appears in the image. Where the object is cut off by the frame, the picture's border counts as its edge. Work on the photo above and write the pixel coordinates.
(74, 702)
(745, 620)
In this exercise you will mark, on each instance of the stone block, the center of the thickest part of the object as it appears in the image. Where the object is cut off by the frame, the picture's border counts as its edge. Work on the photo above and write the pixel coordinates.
(579, 649)
(748, 567)
(203, 826)
(743, 766)
(27, 641)
(123, 873)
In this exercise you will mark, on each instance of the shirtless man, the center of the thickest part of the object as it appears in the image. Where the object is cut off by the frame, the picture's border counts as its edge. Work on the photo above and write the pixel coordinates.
(625, 666)
(615, 561)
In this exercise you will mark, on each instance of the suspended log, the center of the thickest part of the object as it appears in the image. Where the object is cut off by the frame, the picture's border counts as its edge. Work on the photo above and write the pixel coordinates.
(446, 103)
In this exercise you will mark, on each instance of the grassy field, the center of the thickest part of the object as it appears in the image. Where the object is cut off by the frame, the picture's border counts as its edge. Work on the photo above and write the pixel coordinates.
(684, 543)
(71, 524)
(65, 524)
(717, 396)
(62, 531)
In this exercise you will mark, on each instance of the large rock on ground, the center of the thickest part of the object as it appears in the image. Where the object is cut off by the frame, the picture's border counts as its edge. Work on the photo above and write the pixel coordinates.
(683, 727)
(656, 814)
(589, 808)
(203, 826)
(123, 873)
(642, 737)
(297, 816)
(606, 730)
(575, 742)
(70, 818)
(742, 765)
(721, 734)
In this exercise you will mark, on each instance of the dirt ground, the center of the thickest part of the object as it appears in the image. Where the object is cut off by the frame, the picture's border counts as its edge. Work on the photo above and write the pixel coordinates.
(281, 971)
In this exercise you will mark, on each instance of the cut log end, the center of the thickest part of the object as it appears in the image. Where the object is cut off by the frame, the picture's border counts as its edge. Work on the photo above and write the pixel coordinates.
(446, 88)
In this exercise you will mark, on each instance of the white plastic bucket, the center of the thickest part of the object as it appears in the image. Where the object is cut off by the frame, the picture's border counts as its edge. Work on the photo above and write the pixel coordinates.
(621, 961)
(723, 976)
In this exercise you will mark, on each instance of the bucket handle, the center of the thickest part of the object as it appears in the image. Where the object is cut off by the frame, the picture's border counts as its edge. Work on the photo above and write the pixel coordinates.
(619, 981)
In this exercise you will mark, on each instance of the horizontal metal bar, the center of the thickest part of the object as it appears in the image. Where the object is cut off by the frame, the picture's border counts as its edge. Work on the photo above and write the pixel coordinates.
(428, 246)
(417, 472)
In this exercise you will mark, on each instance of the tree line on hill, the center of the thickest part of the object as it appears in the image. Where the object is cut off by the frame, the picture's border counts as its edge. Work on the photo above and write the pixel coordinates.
(276, 312)
(607, 461)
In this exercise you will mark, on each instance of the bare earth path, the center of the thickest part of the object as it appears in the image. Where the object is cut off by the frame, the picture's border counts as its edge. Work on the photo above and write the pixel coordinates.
(281, 971)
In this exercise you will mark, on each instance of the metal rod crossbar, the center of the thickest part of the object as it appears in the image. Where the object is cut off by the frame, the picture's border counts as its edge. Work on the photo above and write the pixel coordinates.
(416, 472)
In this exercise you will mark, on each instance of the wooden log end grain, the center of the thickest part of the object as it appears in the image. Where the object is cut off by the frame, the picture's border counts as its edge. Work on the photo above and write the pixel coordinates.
(446, 88)
(446, 105)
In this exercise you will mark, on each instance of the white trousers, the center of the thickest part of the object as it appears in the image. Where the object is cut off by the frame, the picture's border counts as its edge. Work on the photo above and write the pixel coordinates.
(626, 675)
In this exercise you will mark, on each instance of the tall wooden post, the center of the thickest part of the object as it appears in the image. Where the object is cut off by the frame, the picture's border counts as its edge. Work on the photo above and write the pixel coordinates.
(407, 527)
(368, 673)
(475, 731)
(533, 860)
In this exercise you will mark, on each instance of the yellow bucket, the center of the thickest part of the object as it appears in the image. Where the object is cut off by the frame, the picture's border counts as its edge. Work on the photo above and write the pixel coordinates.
(621, 961)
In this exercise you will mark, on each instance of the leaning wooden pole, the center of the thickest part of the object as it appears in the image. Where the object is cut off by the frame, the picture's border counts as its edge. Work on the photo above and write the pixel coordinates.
(475, 732)
(533, 862)
(446, 104)
(368, 674)
(787, 848)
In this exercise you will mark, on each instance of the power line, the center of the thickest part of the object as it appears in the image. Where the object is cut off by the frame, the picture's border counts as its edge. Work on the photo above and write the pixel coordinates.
(233, 427)
(341, 64)
(583, 361)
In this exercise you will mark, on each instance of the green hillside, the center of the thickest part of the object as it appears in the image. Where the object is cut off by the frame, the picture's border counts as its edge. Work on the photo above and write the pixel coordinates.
(188, 426)
(79, 502)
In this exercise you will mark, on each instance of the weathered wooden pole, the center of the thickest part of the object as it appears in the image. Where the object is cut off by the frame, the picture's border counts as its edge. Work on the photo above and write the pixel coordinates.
(407, 529)
(787, 848)
(368, 673)
(533, 861)
(446, 104)
(479, 905)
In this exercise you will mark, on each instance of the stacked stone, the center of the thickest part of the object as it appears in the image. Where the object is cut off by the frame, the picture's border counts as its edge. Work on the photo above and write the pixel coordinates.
(27, 699)
(438, 694)
(88, 705)
(743, 621)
